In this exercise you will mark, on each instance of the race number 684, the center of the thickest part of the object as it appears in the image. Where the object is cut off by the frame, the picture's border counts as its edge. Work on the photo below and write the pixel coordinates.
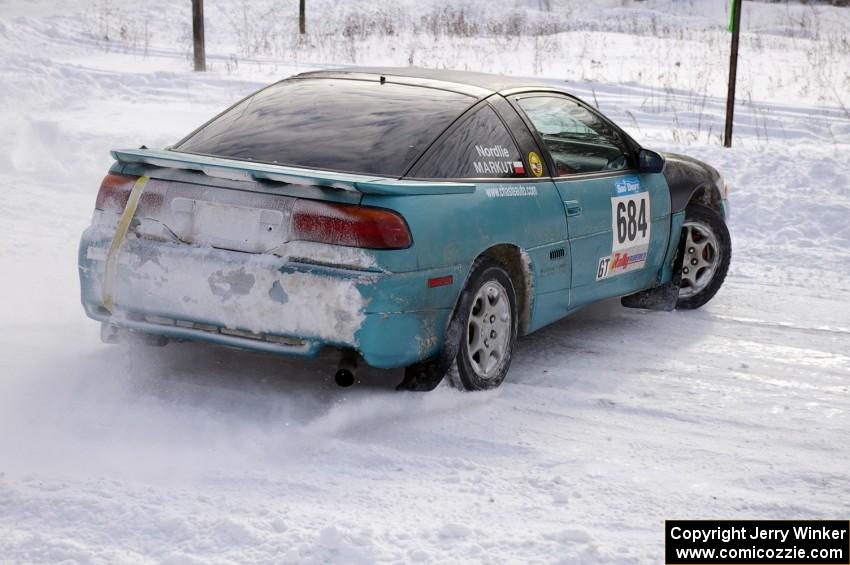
(630, 219)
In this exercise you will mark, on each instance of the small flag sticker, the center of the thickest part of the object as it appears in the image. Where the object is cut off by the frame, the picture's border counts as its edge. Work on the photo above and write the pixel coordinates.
(519, 168)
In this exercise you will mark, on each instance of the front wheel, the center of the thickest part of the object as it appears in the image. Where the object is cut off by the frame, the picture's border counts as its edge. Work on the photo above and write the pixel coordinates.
(707, 252)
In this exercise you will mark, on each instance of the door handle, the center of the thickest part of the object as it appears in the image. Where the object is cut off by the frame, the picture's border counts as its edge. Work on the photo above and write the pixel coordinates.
(573, 207)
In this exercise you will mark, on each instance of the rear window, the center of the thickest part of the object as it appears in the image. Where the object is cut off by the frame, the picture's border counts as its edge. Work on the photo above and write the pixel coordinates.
(343, 125)
(480, 147)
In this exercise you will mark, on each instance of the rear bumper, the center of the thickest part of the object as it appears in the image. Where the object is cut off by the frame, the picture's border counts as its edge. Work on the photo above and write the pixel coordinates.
(265, 302)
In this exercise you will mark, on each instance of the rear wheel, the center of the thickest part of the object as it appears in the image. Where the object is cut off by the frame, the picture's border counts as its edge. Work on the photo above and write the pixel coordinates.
(489, 309)
(480, 337)
(707, 252)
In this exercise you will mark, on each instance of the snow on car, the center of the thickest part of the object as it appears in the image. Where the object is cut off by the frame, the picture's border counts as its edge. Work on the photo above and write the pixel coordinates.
(610, 421)
(412, 218)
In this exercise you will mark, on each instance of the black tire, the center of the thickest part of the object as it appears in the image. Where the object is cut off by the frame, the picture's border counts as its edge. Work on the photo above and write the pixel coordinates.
(454, 359)
(465, 373)
(695, 291)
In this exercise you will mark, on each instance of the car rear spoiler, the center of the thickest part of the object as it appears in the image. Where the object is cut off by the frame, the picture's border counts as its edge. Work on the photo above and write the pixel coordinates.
(248, 170)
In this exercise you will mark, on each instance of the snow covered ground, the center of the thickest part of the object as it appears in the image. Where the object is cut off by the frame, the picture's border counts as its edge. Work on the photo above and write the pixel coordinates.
(609, 422)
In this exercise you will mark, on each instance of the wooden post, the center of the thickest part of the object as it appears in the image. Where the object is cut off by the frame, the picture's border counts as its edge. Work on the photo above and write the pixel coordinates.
(733, 71)
(302, 17)
(198, 35)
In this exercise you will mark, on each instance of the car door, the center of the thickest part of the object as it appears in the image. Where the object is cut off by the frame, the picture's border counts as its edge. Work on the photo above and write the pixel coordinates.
(515, 201)
(618, 218)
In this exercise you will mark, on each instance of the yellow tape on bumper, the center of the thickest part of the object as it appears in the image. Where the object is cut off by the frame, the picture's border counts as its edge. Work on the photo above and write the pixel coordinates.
(118, 239)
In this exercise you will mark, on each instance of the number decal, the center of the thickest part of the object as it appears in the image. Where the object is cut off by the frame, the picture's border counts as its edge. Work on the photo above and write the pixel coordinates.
(630, 221)
(642, 225)
(622, 224)
(630, 225)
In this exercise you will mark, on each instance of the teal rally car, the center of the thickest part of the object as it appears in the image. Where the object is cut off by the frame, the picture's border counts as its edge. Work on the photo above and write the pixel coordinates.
(400, 217)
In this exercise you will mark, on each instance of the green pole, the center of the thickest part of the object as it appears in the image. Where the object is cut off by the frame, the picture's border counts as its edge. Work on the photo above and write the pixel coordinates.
(731, 16)
(733, 71)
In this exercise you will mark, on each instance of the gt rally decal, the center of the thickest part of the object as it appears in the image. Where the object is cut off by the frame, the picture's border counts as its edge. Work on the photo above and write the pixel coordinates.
(499, 161)
(535, 164)
(630, 225)
(618, 264)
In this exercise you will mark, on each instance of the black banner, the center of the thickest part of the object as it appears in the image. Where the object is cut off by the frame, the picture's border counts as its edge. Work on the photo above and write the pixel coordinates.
(757, 542)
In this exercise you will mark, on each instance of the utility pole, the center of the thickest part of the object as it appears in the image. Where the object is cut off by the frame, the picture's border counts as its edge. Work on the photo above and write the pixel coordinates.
(302, 17)
(733, 71)
(198, 35)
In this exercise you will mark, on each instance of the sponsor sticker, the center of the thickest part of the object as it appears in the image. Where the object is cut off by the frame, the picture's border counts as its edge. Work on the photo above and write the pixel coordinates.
(493, 151)
(496, 160)
(628, 185)
(493, 167)
(535, 164)
(619, 263)
(510, 190)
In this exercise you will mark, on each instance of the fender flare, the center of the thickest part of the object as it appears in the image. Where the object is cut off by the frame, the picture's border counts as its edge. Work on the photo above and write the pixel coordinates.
(687, 179)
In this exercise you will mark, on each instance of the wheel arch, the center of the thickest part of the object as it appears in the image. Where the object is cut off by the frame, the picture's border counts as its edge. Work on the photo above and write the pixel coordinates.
(706, 195)
(689, 181)
(518, 265)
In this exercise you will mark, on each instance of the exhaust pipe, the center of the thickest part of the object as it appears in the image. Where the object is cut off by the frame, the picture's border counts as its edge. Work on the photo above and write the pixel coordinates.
(346, 372)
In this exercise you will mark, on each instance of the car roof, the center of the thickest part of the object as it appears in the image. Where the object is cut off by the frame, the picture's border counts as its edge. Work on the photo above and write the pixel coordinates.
(478, 85)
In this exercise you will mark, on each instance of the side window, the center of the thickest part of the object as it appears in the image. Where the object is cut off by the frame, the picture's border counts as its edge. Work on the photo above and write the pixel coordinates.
(578, 140)
(480, 147)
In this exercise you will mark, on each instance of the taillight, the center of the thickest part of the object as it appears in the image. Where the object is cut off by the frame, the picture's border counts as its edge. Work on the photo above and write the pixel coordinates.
(352, 226)
(114, 192)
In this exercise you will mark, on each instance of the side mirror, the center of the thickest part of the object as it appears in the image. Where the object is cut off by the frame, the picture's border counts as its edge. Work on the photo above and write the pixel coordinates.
(650, 161)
